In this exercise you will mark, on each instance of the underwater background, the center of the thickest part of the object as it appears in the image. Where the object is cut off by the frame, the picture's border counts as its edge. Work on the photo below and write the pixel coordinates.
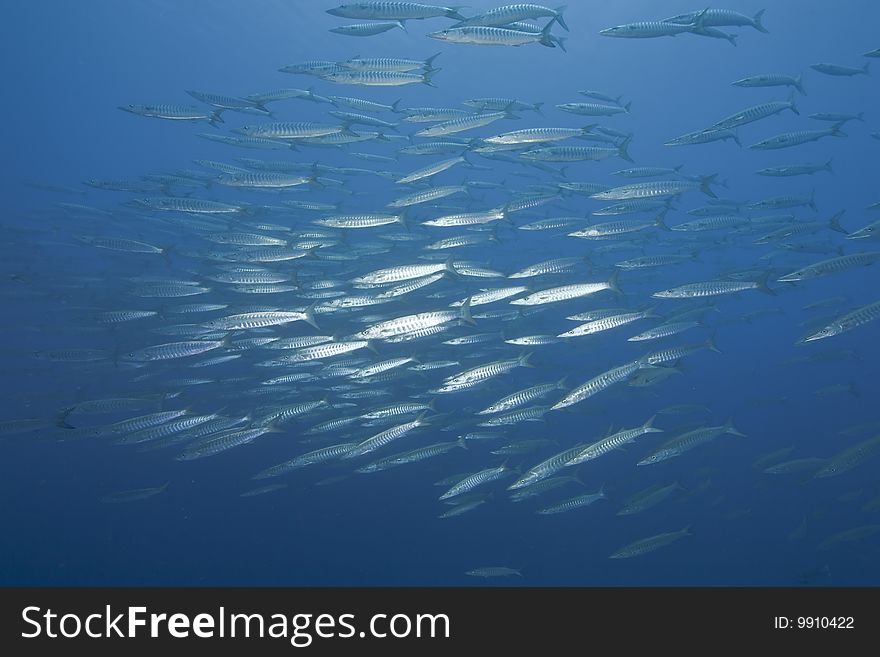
(78, 509)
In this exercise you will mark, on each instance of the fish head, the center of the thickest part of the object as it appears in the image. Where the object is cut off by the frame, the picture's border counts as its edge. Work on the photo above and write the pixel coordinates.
(442, 35)
(867, 231)
(824, 332)
(620, 31)
(683, 19)
(346, 11)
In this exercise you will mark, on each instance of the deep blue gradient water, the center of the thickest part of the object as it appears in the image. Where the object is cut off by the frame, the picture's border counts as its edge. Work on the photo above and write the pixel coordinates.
(67, 68)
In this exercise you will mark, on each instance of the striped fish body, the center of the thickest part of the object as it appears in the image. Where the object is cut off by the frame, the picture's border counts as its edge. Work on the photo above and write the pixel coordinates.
(847, 322)
(771, 80)
(256, 320)
(310, 458)
(574, 503)
(645, 30)
(520, 398)
(380, 78)
(673, 354)
(718, 222)
(706, 289)
(393, 11)
(391, 64)
(491, 36)
(664, 331)
(598, 384)
(189, 205)
(605, 324)
(610, 443)
(477, 479)
(833, 266)
(789, 139)
(262, 180)
(407, 324)
(562, 293)
(501, 16)
(686, 442)
(651, 189)
(555, 266)
(431, 170)
(225, 441)
(532, 414)
(360, 220)
(461, 124)
(653, 261)
(173, 112)
(849, 458)
(570, 154)
(173, 350)
(321, 351)
(383, 438)
(289, 130)
(547, 468)
(754, 113)
(645, 545)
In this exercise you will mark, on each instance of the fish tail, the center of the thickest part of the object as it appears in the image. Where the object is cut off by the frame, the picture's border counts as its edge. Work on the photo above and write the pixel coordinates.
(729, 428)
(612, 282)
(761, 284)
(560, 19)
(427, 75)
(834, 223)
(428, 62)
(757, 22)
(705, 181)
(622, 149)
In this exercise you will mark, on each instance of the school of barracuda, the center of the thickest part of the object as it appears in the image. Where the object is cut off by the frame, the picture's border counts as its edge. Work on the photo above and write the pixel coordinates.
(381, 338)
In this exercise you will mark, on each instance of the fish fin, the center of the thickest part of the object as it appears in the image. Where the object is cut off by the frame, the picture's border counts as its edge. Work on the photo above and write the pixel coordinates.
(430, 59)
(427, 75)
(452, 12)
(612, 282)
(622, 149)
(465, 310)
(546, 38)
(310, 316)
(834, 223)
(729, 428)
(560, 19)
(762, 284)
(216, 118)
(756, 21)
(710, 344)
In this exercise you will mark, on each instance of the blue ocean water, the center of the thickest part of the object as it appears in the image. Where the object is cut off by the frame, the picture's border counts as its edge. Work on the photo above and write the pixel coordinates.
(70, 66)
